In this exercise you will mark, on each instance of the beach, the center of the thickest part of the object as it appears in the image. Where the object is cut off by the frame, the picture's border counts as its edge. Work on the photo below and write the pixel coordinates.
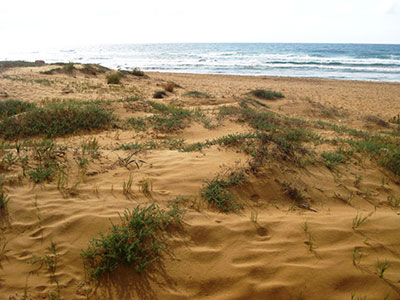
(309, 184)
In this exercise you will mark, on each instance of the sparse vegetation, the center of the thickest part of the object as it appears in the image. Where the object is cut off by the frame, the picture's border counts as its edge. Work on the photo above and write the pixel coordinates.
(56, 119)
(137, 72)
(382, 266)
(197, 94)
(215, 191)
(10, 108)
(359, 219)
(266, 94)
(137, 241)
(113, 78)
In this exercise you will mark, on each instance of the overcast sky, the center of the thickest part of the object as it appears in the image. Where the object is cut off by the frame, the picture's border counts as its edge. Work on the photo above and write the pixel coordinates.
(81, 22)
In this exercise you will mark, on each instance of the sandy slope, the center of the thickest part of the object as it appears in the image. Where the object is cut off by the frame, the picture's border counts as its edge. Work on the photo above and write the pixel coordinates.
(213, 255)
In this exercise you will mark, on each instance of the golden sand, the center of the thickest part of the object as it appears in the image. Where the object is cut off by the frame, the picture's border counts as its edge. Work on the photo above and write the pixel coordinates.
(260, 252)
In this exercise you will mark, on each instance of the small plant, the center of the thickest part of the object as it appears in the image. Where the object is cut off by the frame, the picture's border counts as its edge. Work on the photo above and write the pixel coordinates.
(359, 219)
(357, 255)
(382, 266)
(197, 94)
(254, 217)
(91, 147)
(216, 191)
(266, 94)
(51, 259)
(146, 187)
(137, 72)
(137, 241)
(138, 124)
(126, 161)
(127, 187)
(332, 159)
(357, 180)
(113, 78)
(393, 202)
(4, 199)
(41, 174)
(310, 238)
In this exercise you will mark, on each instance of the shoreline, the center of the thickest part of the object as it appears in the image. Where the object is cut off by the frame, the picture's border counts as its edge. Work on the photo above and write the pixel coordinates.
(274, 77)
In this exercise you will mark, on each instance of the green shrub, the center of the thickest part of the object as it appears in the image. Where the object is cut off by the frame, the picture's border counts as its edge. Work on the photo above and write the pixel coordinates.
(41, 174)
(136, 242)
(4, 65)
(217, 194)
(12, 107)
(113, 78)
(266, 94)
(197, 94)
(332, 159)
(137, 72)
(138, 124)
(55, 119)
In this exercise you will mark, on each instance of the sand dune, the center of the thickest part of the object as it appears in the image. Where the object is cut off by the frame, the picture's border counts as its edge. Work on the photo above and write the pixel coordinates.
(275, 247)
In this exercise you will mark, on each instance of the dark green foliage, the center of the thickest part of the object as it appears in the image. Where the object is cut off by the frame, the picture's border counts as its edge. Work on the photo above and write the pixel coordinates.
(3, 198)
(216, 191)
(197, 94)
(138, 146)
(56, 119)
(137, 72)
(113, 78)
(392, 162)
(193, 147)
(266, 94)
(138, 124)
(137, 241)
(41, 174)
(12, 107)
(4, 65)
(227, 111)
(171, 119)
(332, 159)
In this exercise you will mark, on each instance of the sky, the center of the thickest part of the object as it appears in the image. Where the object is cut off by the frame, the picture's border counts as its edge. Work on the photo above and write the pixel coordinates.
(45, 23)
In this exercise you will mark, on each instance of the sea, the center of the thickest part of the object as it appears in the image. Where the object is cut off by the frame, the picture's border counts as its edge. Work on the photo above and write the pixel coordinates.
(370, 62)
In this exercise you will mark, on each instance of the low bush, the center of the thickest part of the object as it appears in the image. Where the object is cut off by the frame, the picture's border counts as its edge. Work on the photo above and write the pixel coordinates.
(137, 241)
(113, 78)
(56, 119)
(138, 72)
(266, 94)
(215, 191)
(12, 107)
(197, 94)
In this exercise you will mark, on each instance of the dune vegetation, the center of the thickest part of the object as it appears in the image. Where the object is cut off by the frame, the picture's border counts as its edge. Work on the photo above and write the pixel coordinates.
(133, 185)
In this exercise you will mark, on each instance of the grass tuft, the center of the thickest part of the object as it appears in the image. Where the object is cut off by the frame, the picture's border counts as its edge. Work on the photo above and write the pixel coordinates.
(215, 191)
(267, 94)
(113, 78)
(137, 241)
(197, 94)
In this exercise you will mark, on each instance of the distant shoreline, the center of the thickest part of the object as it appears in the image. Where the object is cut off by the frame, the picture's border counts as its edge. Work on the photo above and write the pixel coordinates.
(364, 62)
